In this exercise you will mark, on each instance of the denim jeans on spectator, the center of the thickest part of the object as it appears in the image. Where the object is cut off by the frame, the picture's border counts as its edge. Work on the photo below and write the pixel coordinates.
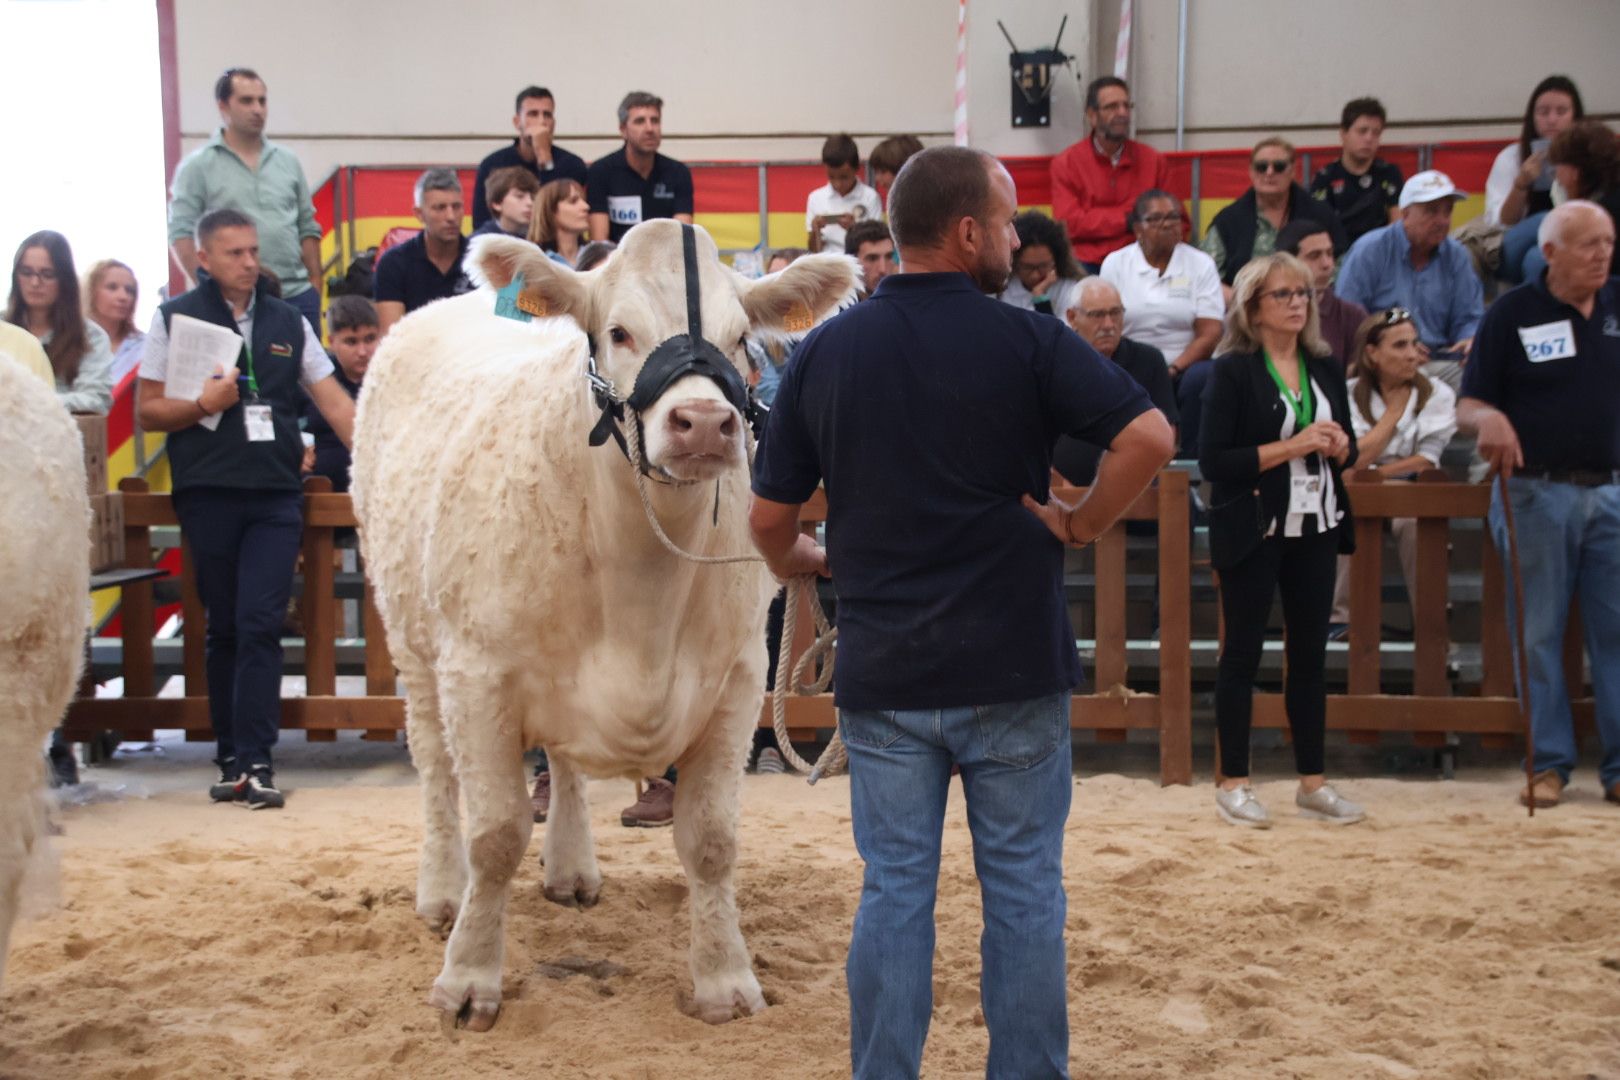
(1017, 779)
(1569, 549)
(308, 303)
(1190, 403)
(1518, 247)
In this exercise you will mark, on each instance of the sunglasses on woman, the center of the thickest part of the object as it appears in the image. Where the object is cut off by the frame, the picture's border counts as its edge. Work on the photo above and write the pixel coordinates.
(1395, 316)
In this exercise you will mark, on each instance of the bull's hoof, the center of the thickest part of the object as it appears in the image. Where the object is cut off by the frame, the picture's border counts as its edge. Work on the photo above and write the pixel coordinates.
(719, 1008)
(470, 1011)
(440, 915)
(579, 894)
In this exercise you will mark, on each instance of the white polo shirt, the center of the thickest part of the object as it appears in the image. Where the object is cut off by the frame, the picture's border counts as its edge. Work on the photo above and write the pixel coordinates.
(1160, 309)
(862, 203)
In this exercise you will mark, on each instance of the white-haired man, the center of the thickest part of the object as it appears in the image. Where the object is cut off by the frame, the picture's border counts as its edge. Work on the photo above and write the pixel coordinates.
(1540, 390)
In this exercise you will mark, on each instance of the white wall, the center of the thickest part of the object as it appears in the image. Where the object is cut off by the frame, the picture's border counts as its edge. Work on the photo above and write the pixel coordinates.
(413, 81)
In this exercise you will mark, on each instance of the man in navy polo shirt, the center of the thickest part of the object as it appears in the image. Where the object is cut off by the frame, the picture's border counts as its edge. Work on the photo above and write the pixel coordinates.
(235, 453)
(536, 124)
(930, 411)
(1542, 391)
(427, 267)
(636, 183)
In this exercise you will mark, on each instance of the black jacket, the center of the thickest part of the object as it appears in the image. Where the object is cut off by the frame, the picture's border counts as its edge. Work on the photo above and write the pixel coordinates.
(1242, 412)
(1238, 222)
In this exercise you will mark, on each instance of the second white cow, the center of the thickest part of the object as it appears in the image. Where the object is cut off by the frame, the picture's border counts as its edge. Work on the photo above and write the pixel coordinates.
(527, 600)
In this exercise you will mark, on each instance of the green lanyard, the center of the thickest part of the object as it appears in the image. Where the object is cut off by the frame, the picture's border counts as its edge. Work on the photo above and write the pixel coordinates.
(1304, 404)
(253, 383)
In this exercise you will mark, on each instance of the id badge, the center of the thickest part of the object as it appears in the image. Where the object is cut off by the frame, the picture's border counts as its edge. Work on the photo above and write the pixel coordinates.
(259, 426)
(1306, 495)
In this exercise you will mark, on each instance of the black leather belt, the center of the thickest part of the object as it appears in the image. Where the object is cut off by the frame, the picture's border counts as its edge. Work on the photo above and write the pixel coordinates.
(1578, 477)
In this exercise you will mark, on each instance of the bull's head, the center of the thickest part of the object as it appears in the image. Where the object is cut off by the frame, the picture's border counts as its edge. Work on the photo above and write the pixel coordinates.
(667, 318)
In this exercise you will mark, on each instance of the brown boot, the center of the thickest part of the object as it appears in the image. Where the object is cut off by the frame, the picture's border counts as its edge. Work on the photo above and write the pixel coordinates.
(541, 797)
(1613, 794)
(656, 806)
(1545, 788)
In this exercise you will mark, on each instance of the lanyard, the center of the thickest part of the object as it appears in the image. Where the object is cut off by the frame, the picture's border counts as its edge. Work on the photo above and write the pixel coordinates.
(252, 382)
(1304, 404)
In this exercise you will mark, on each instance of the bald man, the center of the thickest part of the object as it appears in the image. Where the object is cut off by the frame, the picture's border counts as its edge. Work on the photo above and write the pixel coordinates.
(1540, 390)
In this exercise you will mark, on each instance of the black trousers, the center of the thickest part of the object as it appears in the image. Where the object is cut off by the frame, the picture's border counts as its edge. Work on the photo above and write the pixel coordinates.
(1302, 569)
(244, 546)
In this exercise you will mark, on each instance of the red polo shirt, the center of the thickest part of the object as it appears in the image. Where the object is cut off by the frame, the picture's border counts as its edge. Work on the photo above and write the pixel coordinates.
(1091, 195)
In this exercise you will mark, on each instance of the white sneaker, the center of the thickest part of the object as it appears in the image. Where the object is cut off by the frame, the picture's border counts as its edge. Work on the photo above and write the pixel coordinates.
(1325, 804)
(1238, 806)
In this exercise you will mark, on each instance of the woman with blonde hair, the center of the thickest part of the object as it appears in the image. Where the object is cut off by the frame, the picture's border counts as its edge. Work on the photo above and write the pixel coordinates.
(1276, 436)
(1403, 421)
(110, 296)
(561, 219)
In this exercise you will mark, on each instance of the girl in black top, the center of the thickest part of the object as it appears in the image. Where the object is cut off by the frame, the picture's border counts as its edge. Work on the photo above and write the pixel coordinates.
(1276, 435)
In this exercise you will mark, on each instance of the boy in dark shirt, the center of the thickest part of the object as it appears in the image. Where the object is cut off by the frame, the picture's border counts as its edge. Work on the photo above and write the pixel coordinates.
(351, 327)
(1361, 188)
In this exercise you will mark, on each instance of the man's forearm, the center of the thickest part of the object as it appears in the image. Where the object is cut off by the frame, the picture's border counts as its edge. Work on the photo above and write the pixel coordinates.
(185, 253)
(1124, 472)
(169, 414)
(310, 248)
(1471, 412)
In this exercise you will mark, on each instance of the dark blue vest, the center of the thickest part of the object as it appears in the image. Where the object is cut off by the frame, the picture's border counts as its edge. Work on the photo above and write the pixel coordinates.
(223, 458)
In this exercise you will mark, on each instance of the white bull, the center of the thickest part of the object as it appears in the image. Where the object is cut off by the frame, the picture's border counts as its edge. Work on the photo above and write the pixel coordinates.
(44, 604)
(528, 602)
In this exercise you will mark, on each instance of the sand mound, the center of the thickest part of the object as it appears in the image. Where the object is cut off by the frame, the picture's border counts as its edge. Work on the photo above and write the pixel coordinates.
(1448, 937)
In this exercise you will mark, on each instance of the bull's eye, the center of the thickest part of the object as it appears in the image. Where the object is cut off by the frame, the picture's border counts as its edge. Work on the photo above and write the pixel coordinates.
(742, 343)
(618, 336)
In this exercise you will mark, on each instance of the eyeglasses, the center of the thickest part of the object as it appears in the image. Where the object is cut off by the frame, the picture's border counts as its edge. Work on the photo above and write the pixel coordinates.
(1158, 221)
(1103, 313)
(1038, 267)
(28, 273)
(1288, 296)
(1395, 316)
(1272, 166)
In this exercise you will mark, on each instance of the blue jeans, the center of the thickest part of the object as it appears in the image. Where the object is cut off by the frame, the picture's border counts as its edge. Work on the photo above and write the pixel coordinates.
(308, 304)
(1016, 774)
(1569, 547)
(1521, 255)
(1190, 403)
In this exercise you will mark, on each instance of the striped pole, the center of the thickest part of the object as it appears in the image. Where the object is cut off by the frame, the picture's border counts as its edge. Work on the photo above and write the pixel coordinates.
(1122, 44)
(961, 73)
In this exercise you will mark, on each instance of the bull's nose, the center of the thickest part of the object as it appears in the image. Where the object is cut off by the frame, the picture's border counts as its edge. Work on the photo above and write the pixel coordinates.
(702, 427)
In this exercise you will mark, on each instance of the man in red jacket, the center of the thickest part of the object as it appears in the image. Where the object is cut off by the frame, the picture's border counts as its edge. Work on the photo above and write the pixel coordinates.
(1096, 181)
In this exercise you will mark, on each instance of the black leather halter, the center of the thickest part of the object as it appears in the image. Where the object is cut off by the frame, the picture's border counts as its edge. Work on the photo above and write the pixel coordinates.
(674, 358)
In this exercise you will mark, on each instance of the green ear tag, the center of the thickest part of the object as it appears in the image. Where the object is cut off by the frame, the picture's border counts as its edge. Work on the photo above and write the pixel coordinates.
(506, 302)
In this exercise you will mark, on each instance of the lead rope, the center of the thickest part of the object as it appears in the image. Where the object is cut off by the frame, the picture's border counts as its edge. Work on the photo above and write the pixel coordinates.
(1521, 662)
(834, 758)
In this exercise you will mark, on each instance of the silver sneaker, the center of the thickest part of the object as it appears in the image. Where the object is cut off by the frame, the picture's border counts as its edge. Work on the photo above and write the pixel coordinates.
(1328, 805)
(1239, 807)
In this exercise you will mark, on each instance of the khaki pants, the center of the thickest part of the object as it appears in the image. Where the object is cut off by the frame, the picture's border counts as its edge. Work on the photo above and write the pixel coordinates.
(1405, 530)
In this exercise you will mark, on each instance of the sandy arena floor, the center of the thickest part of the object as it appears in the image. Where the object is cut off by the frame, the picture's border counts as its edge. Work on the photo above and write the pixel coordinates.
(1448, 937)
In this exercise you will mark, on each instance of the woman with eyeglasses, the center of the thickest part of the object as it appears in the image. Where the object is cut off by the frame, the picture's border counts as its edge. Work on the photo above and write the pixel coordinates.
(1247, 229)
(1403, 421)
(1045, 276)
(45, 302)
(110, 296)
(1276, 437)
(1173, 300)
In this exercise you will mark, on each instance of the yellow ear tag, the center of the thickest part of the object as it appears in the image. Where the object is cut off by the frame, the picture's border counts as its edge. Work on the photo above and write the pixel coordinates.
(799, 318)
(533, 303)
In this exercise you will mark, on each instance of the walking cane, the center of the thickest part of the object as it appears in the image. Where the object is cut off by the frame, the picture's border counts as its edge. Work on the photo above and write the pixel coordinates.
(1521, 662)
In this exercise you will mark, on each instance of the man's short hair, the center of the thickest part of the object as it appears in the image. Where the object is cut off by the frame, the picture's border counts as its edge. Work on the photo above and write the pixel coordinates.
(870, 231)
(530, 92)
(436, 180)
(502, 182)
(350, 312)
(1293, 234)
(840, 150)
(1095, 88)
(223, 218)
(1362, 106)
(223, 88)
(892, 153)
(639, 99)
(936, 189)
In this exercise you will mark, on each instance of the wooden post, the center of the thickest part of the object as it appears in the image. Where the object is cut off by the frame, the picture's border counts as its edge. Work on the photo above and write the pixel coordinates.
(1175, 629)
(137, 609)
(320, 646)
(1366, 604)
(380, 677)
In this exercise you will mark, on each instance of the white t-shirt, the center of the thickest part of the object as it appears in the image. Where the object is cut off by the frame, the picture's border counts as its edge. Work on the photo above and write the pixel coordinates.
(1499, 185)
(1063, 295)
(862, 203)
(1160, 309)
(1423, 433)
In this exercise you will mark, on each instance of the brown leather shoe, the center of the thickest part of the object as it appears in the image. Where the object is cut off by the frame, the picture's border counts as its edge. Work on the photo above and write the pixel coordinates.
(540, 799)
(655, 808)
(1545, 788)
(1613, 794)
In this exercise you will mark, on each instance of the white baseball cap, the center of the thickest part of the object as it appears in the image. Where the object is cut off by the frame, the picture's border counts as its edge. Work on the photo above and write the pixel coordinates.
(1429, 186)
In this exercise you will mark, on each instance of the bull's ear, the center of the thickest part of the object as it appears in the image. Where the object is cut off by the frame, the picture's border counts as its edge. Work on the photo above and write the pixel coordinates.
(805, 293)
(549, 288)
